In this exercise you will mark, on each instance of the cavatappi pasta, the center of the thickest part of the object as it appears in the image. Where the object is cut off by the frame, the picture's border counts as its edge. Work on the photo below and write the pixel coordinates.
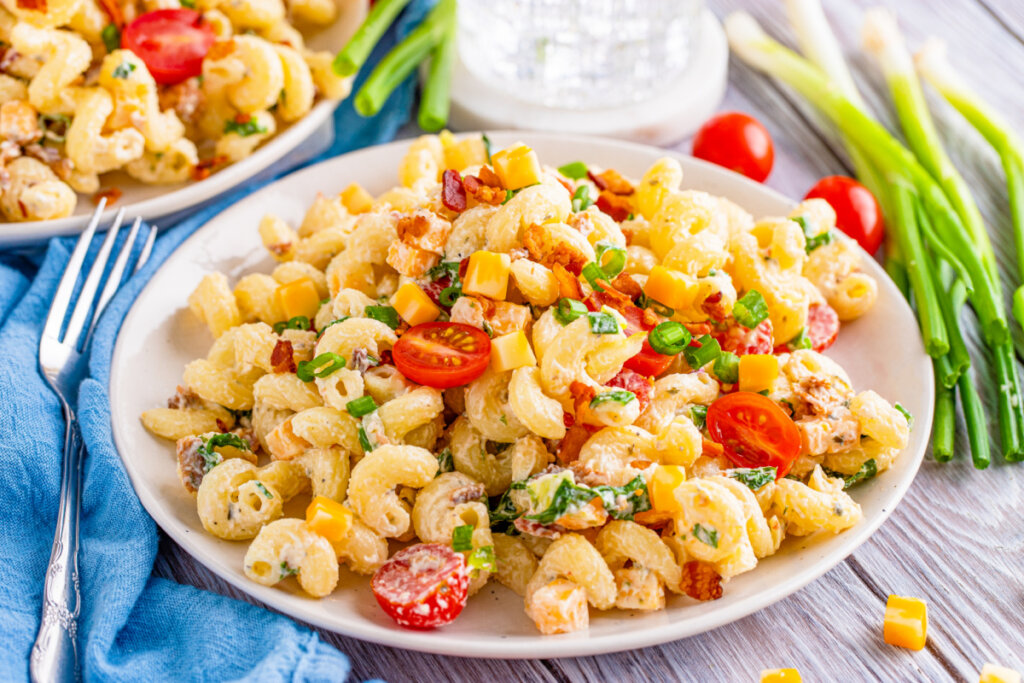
(600, 392)
(165, 91)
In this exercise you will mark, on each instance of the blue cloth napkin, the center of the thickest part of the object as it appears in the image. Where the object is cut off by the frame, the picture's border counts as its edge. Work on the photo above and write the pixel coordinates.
(133, 626)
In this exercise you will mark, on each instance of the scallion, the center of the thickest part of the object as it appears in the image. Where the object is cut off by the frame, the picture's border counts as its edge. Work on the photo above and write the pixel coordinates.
(111, 37)
(602, 323)
(617, 258)
(581, 199)
(750, 310)
(385, 314)
(727, 367)
(568, 310)
(323, 329)
(364, 405)
(699, 415)
(699, 356)
(669, 338)
(593, 273)
(299, 322)
(362, 42)
(462, 538)
(321, 366)
(575, 170)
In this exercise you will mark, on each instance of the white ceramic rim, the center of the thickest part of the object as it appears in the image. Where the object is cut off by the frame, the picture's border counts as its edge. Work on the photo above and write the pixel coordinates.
(541, 647)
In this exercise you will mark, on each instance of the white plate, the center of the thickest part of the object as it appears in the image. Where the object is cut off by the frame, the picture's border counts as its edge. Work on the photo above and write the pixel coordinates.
(303, 139)
(160, 335)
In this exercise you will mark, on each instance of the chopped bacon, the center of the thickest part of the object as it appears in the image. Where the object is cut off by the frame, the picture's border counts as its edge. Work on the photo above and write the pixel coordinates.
(185, 98)
(362, 361)
(242, 118)
(572, 443)
(453, 194)
(625, 283)
(542, 249)
(111, 194)
(280, 249)
(113, 11)
(282, 359)
(184, 398)
(204, 169)
(482, 192)
(701, 581)
(568, 284)
(191, 466)
(615, 205)
(34, 5)
(582, 395)
(467, 493)
(596, 178)
(711, 449)
(566, 184)
(490, 178)
(221, 49)
(612, 181)
(532, 528)
(47, 155)
(567, 419)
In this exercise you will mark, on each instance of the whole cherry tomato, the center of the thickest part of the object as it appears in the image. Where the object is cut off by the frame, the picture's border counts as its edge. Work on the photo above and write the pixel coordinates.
(857, 211)
(737, 142)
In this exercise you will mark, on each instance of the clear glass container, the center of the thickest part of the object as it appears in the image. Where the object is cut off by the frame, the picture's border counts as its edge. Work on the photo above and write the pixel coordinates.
(578, 54)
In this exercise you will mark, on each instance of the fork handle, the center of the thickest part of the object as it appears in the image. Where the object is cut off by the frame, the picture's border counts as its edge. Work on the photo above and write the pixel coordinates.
(54, 655)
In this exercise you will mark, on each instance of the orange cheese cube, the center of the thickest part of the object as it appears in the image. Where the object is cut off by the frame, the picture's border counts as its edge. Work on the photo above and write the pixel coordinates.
(460, 154)
(758, 371)
(993, 673)
(663, 485)
(780, 676)
(517, 167)
(413, 304)
(298, 297)
(511, 351)
(906, 622)
(487, 274)
(329, 518)
(356, 199)
(670, 287)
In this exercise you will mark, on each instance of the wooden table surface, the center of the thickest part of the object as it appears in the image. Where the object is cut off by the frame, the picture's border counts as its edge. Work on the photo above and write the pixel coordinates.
(956, 540)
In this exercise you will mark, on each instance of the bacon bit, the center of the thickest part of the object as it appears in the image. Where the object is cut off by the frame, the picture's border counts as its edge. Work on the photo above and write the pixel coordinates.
(280, 249)
(23, 209)
(282, 359)
(243, 119)
(221, 49)
(528, 526)
(612, 181)
(490, 178)
(567, 419)
(711, 449)
(183, 399)
(48, 155)
(701, 581)
(641, 386)
(611, 298)
(566, 184)
(640, 464)
(482, 192)
(517, 253)
(204, 169)
(616, 206)
(654, 519)
(185, 98)
(568, 284)
(463, 267)
(453, 194)
(543, 250)
(572, 443)
(467, 493)
(412, 226)
(581, 221)
(190, 465)
(628, 232)
(625, 283)
(35, 5)
(595, 178)
(113, 11)
(111, 194)
(715, 307)
(697, 329)
(582, 395)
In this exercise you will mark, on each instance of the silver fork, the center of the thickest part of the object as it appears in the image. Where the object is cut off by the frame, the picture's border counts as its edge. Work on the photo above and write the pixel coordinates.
(62, 362)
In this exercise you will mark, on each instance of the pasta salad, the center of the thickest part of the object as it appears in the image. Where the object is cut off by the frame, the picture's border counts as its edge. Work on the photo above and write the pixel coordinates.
(598, 391)
(165, 91)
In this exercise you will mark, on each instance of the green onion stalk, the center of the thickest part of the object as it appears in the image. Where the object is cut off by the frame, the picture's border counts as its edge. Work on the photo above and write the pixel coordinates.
(434, 103)
(361, 44)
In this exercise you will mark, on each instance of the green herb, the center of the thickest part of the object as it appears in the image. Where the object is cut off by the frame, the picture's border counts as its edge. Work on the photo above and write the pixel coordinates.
(364, 440)
(603, 323)
(55, 126)
(263, 490)
(505, 510)
(287, 571)
(621, 502)
(111, 37)
(321, 366)
(800, 341)
(212, 458)
(487, 146)
(593, 273)
(574, 170)
(364, 405)
(669, 338)
(750, 310)
(249, 127)
(617, 395)
(699, 356)
(814, 239)
(699, 415)
(299, 322)
(706, 535)
(190, 4)
(482, 559)
(509, 194)
(906, 413)
(488, 329)
(462, 538)
(727, 367)
(123, 70)
(658, 307)
(867, 471)
(754, 478)
(503, 419)
(323, 329)
(581, 199)
(568, 310)
(616, 263)
(385, 314)
(445, 461)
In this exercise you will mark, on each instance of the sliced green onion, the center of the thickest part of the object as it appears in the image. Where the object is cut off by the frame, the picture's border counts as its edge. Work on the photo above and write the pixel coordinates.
(111, 36)
(362, 42)
(593, 273)
(727, 367)
(753, 478)
(800, 341)
(509, 194)
(482, 559)
(602, 323)
(617, 261)
(487, 145)
(707, 535)
(568, 310)
(659, 308)
(669, 338)
(699, 414)
(751, 310)
(617, 395)
(448, 295)
(321, 366)
(385, 314)
(623, 324)
(581, 199)
(906, 413)
(574, 170)
(699, 356)
(462, 538)
(364, 440)
(364, 405)
(333, 322)
(814, 239)
(299, 322)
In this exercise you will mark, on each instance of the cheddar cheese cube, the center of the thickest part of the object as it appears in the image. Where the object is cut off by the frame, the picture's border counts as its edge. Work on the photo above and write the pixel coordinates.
(329, 518)
(460, 154)
(993, 673)
(298, 297)
(670, 287)
(906, 622)
(758, 371)
(487, 275)
(356, 199)
(663, 485)
(780, 676)
(517, 167)
(413, 304)
(511, 351)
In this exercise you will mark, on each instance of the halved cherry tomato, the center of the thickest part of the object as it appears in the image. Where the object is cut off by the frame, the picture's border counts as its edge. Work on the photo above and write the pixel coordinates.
(737, 142)
(648, 362)
(857, 211)
(641, 386)
(739, 340)
(754, 431)
(442, 355)
(422, 586)
(822, 326)
(172, 43)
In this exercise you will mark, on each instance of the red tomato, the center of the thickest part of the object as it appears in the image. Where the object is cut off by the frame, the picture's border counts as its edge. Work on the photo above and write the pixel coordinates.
(172, 43)
(741, 341)
(737, 142)
(822, 326)
(754, 431)
(648, 362)
(442, 355)
(422, 586)
(434, 288)
(641, 386)
(857, 211)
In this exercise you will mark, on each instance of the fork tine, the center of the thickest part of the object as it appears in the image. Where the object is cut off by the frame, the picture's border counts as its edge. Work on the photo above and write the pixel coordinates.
(114, 278)
(147, 249)
(92, 282)
(62, 297)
